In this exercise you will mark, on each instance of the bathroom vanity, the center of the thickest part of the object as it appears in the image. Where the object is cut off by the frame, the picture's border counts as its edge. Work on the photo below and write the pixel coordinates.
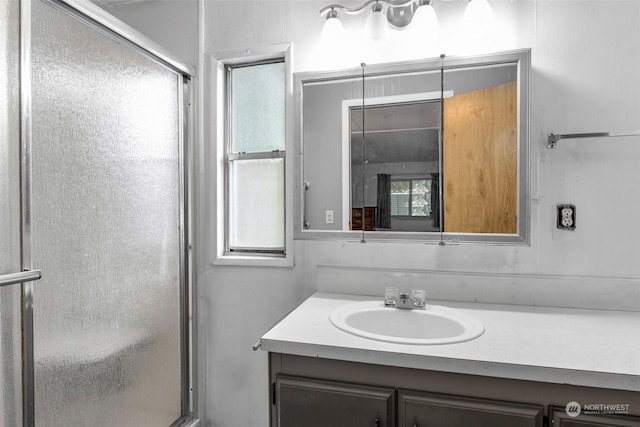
(527, 369)
(416, 152)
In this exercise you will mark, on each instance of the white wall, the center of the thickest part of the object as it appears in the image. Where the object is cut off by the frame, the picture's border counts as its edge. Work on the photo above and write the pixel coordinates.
(585, 68)
(584, 78)
(171, 23)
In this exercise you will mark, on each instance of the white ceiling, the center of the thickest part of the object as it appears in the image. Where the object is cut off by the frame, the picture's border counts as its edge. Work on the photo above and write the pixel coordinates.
(396, 133)
(400, 146)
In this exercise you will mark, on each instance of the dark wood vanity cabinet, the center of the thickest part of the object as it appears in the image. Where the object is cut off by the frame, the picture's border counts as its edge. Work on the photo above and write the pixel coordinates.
(317, 392)
(303, 402)
(309, 403)
(416, 409)
(560, 418)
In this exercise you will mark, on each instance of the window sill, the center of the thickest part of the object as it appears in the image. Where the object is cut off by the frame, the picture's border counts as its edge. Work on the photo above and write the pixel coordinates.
(248, 260)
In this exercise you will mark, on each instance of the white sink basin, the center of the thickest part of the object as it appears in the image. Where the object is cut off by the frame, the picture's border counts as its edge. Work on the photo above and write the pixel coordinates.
(434, 325)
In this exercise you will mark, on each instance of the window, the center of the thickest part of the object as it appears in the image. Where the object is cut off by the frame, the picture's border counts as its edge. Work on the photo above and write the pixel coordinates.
(255, 158)
(411, 197)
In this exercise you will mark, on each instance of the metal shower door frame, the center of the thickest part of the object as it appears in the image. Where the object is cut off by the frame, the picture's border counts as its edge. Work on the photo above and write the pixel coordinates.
(98, 19)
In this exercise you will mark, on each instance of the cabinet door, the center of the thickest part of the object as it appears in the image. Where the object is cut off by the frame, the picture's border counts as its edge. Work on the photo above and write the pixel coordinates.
(310, 403)
(560, 418)
(416, 409)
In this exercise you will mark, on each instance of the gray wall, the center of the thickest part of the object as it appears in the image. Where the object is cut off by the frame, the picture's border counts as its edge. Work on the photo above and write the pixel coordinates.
(580, 82)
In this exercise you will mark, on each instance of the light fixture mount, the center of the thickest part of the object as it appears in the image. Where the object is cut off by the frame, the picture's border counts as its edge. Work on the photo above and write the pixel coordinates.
(400, 17)
(399, 13)
(332, 13)
(363, 7)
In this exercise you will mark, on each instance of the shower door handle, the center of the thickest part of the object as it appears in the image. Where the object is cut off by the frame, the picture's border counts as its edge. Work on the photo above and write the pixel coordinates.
(305, 218)
(23, 276)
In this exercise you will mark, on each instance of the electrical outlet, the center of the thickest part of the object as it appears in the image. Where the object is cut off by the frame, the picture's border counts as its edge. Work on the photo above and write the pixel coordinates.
(328, 217)
(566, 217)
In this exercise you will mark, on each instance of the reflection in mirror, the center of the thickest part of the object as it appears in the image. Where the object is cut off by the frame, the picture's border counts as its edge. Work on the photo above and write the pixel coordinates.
(322, 160)
(400, 184)
(401, 168)
(480, 150)
(326, 162)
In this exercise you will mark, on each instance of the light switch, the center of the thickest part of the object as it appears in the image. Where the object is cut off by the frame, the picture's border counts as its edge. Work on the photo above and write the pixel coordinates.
(328, 217)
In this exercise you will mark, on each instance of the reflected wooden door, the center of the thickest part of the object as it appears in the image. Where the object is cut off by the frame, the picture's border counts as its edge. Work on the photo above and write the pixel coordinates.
(480, 154)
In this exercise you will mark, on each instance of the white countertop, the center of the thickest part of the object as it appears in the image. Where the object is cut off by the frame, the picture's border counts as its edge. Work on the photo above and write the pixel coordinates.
(596, 348)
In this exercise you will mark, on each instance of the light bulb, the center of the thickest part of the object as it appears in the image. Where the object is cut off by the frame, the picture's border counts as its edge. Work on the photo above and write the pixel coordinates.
(332, 31)
(376, 27)
(425, 23)
(479, 15)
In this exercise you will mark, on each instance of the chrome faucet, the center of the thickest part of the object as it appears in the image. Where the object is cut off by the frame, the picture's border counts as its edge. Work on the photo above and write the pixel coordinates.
(395, 299)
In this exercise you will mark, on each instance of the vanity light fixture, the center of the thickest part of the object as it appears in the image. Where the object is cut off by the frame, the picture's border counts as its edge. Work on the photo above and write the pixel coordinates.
(398, 15)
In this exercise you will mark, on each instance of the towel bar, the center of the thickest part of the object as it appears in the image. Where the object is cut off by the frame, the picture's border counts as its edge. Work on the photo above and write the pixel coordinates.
(553, 138)
(23, 276)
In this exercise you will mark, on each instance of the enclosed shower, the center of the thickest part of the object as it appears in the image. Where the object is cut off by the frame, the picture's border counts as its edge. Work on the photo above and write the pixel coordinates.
(93, 200)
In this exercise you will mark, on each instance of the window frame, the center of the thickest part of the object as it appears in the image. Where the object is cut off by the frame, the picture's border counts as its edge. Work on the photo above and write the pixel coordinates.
(221, 102)
(231, 156)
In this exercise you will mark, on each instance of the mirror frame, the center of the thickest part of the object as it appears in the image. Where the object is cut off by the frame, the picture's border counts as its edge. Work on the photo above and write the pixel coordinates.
(521, 58)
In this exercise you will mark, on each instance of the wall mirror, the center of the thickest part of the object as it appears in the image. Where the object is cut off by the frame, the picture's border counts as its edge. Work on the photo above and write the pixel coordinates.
(433, 150)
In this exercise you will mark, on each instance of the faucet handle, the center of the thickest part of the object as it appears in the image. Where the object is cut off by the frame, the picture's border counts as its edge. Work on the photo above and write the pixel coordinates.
(419, 297)
(391, 295)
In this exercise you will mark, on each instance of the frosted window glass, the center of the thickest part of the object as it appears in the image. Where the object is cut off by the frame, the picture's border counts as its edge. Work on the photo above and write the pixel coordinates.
(258, 114)
(106, 233)
(10, 317)
(257, 204)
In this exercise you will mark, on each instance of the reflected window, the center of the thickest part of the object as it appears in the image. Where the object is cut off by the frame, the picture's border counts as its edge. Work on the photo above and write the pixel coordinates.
(411, 197)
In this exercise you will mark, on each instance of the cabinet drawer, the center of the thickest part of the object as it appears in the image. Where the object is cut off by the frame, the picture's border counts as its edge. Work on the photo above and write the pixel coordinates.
(310, 403)
(417, 409)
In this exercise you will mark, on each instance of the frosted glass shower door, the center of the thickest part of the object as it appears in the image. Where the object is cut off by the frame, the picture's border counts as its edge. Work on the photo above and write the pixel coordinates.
(10, 333)
(106, 228)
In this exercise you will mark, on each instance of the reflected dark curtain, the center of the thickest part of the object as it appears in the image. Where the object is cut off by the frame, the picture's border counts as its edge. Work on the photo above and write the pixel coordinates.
(435, 199)
(383, 211)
